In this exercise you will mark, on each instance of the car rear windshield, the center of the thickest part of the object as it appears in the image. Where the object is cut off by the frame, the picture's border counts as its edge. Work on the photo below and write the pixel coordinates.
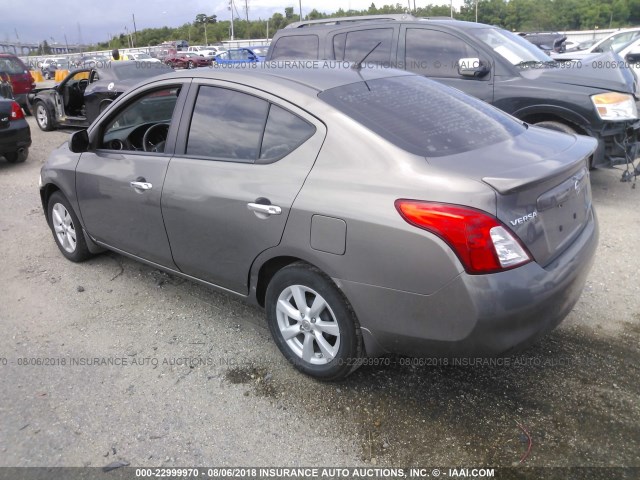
(11, 65)
(422, 116)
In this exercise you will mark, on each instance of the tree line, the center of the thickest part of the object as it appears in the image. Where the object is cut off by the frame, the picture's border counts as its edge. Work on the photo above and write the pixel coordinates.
(515, 15)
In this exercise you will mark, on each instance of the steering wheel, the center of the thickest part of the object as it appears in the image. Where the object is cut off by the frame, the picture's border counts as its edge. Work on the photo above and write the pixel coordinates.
(83, 84)
(155, 137)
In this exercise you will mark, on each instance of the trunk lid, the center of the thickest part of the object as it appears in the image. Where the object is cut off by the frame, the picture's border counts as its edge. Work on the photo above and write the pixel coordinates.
(541, 180)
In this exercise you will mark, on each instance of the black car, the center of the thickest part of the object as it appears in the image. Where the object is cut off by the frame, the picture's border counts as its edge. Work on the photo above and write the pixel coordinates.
(547, 42)
(15, 134)
(492, 64)
(78, 99)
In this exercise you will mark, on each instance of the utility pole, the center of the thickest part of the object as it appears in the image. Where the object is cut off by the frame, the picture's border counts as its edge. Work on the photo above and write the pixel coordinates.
(476, 11)
(246, 9)
(267, 29)
(135, 30)
(300, 10)
(231, 8)
(451, 8)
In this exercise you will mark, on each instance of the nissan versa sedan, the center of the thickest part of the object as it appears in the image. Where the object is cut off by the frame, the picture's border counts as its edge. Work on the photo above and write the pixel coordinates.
(369, 211)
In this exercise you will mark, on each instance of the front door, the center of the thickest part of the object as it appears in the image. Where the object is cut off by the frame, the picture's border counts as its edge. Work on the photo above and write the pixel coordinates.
(119, 183)
(435, 55)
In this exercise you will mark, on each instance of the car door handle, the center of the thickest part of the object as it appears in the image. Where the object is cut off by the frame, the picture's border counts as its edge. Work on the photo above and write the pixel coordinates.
(142, 185)
(265, 209)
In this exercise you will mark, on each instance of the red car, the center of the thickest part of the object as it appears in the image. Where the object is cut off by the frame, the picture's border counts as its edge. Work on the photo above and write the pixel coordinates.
(21, 80)
(187, 60)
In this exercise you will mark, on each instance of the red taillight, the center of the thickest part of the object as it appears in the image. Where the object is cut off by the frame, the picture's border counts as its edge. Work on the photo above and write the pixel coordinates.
(467, 231)
(16, 111)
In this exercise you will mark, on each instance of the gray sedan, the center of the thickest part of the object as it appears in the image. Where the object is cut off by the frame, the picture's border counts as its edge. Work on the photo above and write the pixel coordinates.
(369, 211)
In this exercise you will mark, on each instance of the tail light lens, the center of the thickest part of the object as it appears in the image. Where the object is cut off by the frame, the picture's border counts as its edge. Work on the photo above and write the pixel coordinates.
(481, 242)
(16, 111)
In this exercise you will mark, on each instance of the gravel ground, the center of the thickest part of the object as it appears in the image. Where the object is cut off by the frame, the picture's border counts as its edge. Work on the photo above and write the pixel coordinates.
(199, 381)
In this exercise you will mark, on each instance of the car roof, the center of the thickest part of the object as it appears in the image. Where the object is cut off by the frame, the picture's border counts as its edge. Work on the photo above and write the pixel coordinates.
(318, 75)
(321, 29)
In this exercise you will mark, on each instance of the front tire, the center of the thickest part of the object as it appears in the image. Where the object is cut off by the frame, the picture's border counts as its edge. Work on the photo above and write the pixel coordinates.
(557, 126)
(312, 323)
(44, 119)
(66, 229)
(191, 65)
(17, 157)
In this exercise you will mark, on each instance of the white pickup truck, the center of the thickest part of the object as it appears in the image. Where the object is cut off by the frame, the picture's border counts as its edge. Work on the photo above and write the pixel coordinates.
(205, 51)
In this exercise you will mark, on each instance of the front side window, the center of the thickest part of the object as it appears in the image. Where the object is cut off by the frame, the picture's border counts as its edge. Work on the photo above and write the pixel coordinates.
(226, 125)
(144, 124)
(435, 54)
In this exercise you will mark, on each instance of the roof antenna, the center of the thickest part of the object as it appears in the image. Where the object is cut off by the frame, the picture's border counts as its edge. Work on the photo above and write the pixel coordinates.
(358, 65)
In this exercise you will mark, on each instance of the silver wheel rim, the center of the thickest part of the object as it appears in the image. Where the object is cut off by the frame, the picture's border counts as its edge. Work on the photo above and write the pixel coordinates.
(41, 115)
(63, 226)
(308, 325)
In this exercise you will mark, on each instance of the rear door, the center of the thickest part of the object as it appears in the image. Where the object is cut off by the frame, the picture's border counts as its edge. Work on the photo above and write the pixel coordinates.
(241, 159)
(375, 44)
(435, 54)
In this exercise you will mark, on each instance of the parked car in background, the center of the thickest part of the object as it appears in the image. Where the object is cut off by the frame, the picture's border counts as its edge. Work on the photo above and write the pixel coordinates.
(547, 42)
(260, 51)
(15, 134)
(21, 80)
(139, 57)
(49, 71)
(85, 93)
(238, 55)
(493, 65)
(203, 51)
(187, 60)
(47, 62)
(610, 42)
(583, 45)
(470, 234)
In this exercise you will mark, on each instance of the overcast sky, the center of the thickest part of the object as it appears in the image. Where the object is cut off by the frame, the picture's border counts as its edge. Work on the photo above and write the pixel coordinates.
(37, 20)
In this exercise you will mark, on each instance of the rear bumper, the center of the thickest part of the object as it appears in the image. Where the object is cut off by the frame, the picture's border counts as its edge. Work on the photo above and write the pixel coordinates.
(476, 315)
(17, 136)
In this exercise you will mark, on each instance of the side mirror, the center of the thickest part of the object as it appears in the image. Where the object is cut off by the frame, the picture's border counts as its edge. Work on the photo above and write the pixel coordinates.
(633, 56)
(252, 58)
(79, 142)
(472, 67)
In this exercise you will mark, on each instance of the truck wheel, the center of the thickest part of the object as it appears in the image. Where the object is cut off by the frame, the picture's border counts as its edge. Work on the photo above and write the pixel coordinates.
(44, 118)
(557, 126)
(17, 157)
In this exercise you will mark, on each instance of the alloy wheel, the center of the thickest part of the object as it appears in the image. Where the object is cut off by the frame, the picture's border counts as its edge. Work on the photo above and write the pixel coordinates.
(64, 228)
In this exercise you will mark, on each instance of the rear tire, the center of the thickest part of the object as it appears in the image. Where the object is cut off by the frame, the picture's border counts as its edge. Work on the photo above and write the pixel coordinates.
(17, 157)
(67, 230)
(312, 323)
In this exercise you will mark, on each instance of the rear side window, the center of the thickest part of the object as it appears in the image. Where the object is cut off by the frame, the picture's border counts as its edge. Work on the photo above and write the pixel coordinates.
(354, 46)
(283, 134)
(435, 54)
(11, 65)
(227, 125)
(421, 116)
(296, 47)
